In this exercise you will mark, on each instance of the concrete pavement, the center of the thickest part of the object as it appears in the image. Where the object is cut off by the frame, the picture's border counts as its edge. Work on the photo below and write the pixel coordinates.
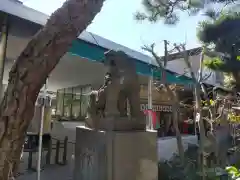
(52, 172)
(49, 172)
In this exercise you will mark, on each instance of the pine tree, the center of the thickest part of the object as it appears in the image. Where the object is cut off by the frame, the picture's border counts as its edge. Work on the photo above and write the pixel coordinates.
(168, 10)
(221, 35)
(30, 72)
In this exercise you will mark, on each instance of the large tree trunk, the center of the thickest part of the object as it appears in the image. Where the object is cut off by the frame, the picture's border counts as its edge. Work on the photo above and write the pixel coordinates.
(30, 71)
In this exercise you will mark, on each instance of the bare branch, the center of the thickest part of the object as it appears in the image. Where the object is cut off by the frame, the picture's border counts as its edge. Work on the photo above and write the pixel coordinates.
(206, 77)
(184, 73)
(158, 59)
(181, 49)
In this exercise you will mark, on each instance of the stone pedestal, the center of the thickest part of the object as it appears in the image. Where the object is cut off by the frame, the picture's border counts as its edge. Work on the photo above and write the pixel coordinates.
(117, 124)
(115, 155)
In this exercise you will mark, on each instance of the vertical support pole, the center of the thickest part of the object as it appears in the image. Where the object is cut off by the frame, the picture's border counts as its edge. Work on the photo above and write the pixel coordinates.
(150, 83)
(57, 152)
(57, 102)
(63, 108)
(49, 153)
(65, 150)
(80, 105)
(71, 105)
(43, 104)
(30, 154)
(3, 50)
(30, 148)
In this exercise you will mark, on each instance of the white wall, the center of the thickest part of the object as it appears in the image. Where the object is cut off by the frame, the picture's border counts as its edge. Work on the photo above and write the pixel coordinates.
(167, 146)
(179, 66)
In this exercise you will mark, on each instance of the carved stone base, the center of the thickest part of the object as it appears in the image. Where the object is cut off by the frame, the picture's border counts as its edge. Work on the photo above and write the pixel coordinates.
(117, 124)
(115, 155)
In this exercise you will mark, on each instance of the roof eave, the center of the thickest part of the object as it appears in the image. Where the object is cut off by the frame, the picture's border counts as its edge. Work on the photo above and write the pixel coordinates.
(24, 12)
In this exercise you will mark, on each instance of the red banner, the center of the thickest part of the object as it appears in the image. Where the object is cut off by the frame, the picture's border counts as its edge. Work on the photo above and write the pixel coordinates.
(153, 114)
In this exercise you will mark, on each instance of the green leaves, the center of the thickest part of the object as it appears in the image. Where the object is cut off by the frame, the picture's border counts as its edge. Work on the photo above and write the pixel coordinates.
(212, 14)
(211, 102)
(214, 63)
(221, 29)
(195, 4)
(140, 16)
(168, 10)
(233, 172)
(156, 10)
(231, 169)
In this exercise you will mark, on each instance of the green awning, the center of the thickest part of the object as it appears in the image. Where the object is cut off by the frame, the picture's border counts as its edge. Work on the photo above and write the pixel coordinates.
(96, 53)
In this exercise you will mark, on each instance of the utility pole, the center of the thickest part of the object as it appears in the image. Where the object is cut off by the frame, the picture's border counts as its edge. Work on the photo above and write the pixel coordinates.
(3, 51)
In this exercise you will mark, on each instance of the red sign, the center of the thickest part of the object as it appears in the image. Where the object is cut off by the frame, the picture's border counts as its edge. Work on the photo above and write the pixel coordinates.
(153, 114)
(185, 127)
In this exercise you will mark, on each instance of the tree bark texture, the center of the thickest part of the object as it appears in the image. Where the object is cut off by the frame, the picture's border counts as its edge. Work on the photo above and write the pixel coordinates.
(175, 111)
(236, 76)
(31, 70)
(201, 127)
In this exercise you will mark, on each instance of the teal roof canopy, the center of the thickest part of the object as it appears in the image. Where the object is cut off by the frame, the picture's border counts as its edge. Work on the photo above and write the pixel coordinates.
(96, 53)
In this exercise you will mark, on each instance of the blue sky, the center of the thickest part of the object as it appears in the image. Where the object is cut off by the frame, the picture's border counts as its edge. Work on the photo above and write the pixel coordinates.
(116, 23)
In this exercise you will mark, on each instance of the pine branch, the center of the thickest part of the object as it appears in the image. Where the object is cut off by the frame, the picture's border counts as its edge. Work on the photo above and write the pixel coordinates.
(168, 10)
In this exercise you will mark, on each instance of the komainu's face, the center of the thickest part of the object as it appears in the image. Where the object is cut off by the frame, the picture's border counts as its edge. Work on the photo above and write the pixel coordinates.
(116, 59)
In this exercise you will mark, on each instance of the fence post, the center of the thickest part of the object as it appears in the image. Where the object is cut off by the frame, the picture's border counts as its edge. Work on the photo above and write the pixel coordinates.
(30, 159)
(65, 150)
(30, 153)
(57, 152)
(49, 152)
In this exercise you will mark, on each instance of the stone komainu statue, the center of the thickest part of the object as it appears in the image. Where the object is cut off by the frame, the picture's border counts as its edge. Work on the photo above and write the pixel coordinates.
(120, 85)
(124, 85)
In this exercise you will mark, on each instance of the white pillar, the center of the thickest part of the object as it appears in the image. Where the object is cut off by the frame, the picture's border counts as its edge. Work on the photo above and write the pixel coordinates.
(43, 103)
(150, 83)
(3, 51)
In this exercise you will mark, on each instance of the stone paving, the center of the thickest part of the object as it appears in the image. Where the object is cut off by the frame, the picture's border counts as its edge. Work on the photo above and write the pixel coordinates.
(49, 172)
(58, 172)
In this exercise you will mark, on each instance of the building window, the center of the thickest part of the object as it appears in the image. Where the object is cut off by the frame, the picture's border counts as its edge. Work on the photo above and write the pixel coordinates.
(84, 101)
(76, 106)
(68, 102)
(59, 102)
(72, 103)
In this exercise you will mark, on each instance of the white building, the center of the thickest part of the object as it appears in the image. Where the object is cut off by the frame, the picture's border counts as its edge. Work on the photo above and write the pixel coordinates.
(76, 67)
